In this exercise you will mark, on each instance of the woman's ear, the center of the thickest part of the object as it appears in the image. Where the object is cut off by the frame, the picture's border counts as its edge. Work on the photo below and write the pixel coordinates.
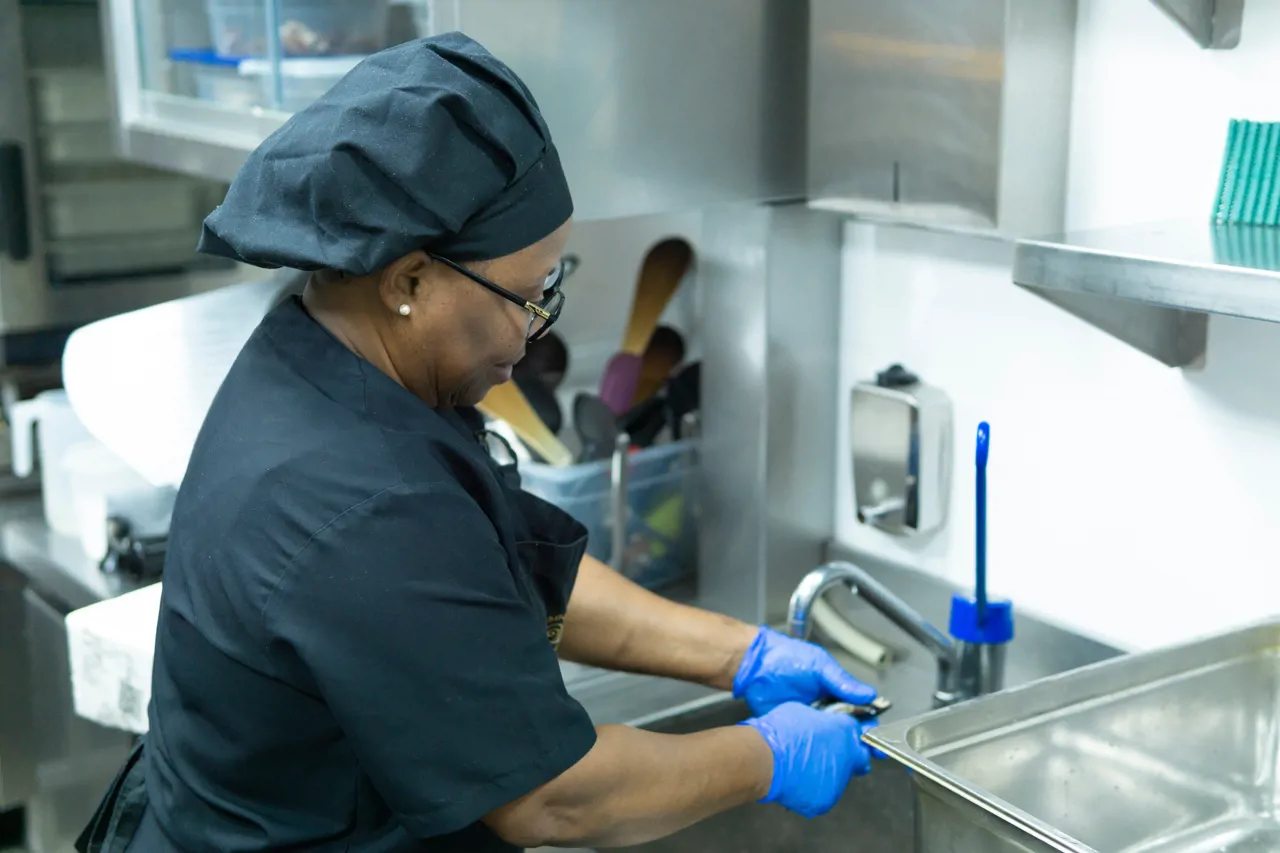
(399, 283)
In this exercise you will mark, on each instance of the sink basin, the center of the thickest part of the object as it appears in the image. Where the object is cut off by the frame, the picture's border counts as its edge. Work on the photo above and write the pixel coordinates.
(876, 815)
(1170, 751)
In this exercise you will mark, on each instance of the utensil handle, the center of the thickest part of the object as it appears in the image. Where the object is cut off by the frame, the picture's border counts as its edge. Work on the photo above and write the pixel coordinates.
(618, 476)
(980, 517)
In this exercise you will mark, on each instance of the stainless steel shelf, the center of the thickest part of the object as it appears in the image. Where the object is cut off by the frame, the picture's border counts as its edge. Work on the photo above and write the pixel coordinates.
(1213, 24)
(1154, 285)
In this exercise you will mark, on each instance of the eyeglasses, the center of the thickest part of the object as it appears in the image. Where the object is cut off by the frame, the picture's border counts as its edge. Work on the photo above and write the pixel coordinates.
(543, 313)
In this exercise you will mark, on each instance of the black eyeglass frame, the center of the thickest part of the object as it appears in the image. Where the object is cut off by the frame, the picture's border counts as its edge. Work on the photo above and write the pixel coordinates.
(548, 310)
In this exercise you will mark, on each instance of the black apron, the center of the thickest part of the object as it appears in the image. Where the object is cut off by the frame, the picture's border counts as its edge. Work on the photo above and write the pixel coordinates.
(550, 545)
(120, 813)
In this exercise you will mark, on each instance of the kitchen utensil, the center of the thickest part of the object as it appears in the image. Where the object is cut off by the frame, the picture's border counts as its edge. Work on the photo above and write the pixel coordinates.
(660, 275)
(507, 403)
(684, 395)
(980, 539)
(543, 400)
(619, 476)
(661, 357)
(595, 425)
(644, 421)
(547, 358)
(869, 711)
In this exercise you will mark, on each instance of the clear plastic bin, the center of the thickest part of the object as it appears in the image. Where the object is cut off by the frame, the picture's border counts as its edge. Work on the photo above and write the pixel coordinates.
(662, 534)
(246, 84)
(307, 27)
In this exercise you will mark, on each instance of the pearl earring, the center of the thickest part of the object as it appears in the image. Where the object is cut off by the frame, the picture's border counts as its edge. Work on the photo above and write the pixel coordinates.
(404, 310)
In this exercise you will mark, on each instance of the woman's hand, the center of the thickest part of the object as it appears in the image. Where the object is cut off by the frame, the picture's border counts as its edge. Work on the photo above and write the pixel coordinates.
(815, 754)
(777, 669)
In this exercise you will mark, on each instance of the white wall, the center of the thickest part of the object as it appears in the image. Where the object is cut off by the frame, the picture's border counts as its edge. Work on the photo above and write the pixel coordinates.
(1133, 502)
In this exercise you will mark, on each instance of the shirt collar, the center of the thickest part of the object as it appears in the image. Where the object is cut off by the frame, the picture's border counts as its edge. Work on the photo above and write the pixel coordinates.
(338, 373)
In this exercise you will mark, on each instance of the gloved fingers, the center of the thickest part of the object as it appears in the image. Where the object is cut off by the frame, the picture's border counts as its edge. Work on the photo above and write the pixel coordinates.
(861, 760)
(842, 685)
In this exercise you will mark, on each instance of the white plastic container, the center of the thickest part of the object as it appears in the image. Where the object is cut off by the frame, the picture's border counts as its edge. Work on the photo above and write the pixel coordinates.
(102, 485)
(82, 482)
(46, 425)
(247, 85)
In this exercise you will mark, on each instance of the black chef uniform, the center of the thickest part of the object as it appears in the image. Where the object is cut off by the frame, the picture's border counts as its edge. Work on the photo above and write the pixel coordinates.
(356, 639)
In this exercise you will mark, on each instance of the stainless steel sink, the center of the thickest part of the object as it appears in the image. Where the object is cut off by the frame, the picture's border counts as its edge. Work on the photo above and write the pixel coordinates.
(878, 812)
(1171, 751)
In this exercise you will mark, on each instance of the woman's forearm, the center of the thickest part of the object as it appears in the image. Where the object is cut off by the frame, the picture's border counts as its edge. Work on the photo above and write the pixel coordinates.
(616, 624)
(635, 786)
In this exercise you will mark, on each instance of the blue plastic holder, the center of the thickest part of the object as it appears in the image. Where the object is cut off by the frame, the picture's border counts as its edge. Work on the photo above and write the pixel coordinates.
(966, 627)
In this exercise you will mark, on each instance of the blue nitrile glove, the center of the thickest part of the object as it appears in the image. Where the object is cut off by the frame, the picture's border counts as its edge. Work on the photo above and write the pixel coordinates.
(815, 754)
(778, 669)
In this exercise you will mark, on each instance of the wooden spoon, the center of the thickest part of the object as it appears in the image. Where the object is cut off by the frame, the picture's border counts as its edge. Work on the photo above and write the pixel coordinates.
(507, 403)
(660, 275)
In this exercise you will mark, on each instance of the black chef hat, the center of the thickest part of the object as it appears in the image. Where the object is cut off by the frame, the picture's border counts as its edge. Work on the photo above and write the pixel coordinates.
(433, 144)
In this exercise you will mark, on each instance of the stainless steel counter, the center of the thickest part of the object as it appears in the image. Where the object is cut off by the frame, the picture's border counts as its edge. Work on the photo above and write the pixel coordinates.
(56, 565)
(52, 762)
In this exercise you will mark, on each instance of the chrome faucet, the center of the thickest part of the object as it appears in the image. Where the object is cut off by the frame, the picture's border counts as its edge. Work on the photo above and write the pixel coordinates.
(966, 667)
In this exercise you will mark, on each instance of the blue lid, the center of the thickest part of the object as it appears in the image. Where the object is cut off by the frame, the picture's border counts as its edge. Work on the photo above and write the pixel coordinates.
(996, 628)
(203, 56)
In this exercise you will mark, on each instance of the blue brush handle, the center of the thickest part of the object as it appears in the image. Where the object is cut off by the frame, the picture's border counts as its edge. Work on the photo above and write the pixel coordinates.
(980, 562)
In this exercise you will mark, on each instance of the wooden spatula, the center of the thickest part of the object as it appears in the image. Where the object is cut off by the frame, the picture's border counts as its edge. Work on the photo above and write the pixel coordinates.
(662, 356)
(506, 402)
(660, 275)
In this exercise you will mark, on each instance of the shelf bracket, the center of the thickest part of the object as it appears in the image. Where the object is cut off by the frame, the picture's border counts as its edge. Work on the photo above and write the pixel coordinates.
(1172, 336)
(1213, 24)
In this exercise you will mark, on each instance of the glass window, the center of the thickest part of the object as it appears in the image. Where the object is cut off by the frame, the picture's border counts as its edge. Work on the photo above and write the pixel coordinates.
(228, 72)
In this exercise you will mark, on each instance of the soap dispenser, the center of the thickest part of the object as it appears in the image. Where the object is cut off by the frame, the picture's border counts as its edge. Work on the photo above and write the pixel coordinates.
(900, 432)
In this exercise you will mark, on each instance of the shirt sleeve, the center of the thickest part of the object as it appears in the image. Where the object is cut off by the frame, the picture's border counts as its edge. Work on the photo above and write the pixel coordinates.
(405, 614)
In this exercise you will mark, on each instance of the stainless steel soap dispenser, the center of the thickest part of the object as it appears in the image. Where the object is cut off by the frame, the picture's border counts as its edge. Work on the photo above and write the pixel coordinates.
(900, 432)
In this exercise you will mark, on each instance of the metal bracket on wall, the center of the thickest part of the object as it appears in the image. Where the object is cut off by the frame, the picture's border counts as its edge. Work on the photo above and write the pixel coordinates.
(1154, 286)
(1172, 336)
(1213, 24)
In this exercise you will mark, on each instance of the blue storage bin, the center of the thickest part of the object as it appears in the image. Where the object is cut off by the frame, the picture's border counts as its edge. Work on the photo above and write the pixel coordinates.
(662, 535)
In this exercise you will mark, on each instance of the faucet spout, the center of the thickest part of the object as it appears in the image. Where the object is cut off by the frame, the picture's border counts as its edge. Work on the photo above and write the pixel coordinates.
(874, 593)
(963, 668)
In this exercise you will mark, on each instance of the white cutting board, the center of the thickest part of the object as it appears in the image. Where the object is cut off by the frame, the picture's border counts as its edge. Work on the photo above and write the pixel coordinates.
(141, 382)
